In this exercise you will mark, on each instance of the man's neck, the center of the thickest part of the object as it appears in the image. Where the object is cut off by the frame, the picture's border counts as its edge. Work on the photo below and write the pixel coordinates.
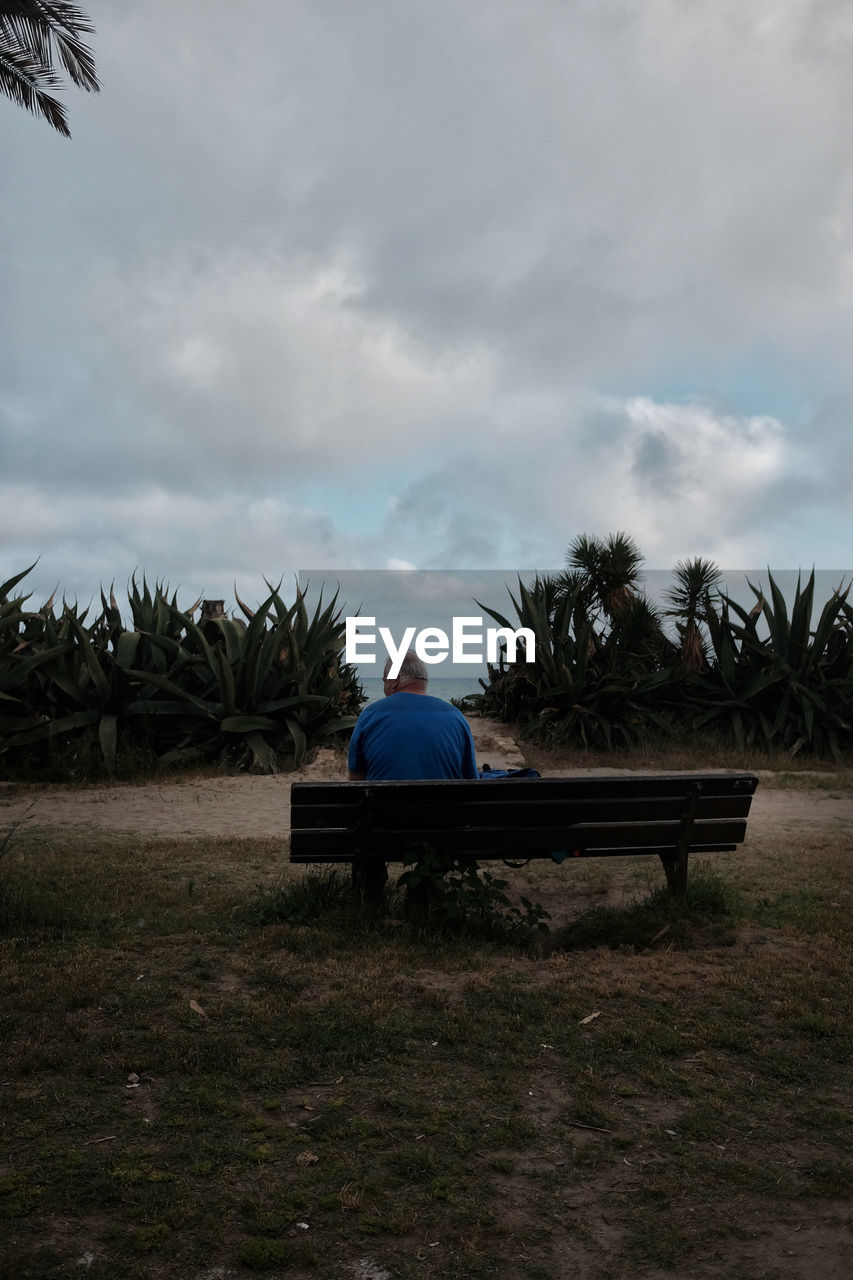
(412, 686)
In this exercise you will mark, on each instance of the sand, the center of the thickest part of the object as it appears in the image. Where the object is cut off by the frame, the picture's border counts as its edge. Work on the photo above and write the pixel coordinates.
(259, 806)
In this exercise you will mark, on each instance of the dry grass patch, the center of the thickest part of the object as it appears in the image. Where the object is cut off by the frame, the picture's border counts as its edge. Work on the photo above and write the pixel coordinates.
(187, 1080)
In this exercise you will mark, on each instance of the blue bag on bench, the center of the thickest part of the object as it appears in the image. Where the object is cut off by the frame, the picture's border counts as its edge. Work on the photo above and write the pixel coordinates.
(486, 772)
(559, 855)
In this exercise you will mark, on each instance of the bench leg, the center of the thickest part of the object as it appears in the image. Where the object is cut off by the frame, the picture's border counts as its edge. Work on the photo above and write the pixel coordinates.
(369, 877)
(676, 866)
(676, 874)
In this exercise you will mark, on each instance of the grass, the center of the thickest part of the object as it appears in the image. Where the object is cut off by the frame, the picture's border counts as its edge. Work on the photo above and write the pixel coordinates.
(202, 1051)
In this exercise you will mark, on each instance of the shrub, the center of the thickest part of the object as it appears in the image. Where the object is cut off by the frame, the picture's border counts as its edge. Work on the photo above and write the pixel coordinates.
(254, 694)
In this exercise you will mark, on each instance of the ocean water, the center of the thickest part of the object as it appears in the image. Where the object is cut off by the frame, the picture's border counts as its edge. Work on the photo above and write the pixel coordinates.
(446, 687)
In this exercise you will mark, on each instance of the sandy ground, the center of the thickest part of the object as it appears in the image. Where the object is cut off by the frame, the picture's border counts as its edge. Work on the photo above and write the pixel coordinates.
(247, 806)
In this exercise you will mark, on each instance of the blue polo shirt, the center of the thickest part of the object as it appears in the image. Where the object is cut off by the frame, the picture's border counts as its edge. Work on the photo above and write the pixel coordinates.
(410, 736)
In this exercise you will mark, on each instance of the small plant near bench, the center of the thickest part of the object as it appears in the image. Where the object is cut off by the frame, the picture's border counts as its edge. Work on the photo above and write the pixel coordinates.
(458, 895)
(447, 895)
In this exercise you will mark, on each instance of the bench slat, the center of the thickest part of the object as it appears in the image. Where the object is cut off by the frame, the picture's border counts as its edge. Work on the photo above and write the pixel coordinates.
(501, 841)
(585, 788)
(663, 851)
(515, 811)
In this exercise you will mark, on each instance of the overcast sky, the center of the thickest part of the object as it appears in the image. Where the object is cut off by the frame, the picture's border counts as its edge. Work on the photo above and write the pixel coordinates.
(358, 285)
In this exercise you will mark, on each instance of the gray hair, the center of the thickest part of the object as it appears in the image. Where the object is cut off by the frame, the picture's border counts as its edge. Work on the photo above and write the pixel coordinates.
(412, 668)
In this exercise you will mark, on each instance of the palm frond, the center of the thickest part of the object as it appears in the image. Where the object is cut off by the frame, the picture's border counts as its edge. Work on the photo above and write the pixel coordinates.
(33, 35)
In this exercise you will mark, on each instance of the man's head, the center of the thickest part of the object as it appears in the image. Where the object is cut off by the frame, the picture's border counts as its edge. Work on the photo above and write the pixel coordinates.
(412, 677)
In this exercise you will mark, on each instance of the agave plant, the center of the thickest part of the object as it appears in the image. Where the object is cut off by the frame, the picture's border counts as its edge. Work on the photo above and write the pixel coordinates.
(580, 690)
(776, 680)
(62, 681)
(267, 688)
(22, 651)
(605, 672)
(255, 692)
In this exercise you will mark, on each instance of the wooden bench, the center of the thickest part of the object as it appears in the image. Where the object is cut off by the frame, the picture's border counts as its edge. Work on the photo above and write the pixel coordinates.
(371, 823)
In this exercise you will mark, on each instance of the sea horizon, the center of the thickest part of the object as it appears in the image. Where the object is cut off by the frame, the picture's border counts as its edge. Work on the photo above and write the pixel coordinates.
(445, 687)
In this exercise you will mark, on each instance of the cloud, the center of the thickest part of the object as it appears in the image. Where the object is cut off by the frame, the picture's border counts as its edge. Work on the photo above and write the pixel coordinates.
(598, 191)
(431, 284)
(242, 372)
(195, 543)
(682, 479)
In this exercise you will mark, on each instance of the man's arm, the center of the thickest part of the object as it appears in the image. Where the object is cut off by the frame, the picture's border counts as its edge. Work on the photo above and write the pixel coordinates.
(469, 762)
(356, 763)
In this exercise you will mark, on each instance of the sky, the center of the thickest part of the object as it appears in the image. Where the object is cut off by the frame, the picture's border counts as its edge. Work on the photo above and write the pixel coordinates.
(367, 286)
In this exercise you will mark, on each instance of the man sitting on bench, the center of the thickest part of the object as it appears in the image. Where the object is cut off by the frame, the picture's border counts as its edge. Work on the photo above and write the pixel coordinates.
(410, 735)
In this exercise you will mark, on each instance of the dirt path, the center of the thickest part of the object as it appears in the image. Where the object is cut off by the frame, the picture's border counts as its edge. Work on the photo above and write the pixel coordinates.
(247, 806)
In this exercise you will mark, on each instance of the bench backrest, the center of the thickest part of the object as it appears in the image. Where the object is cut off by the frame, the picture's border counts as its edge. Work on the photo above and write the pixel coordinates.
(528, 817)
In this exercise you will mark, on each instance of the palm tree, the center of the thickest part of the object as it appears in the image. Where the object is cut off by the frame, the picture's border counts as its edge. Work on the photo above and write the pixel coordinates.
(693, 599)
(32, 34)
(609, 568)
(606, 573)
